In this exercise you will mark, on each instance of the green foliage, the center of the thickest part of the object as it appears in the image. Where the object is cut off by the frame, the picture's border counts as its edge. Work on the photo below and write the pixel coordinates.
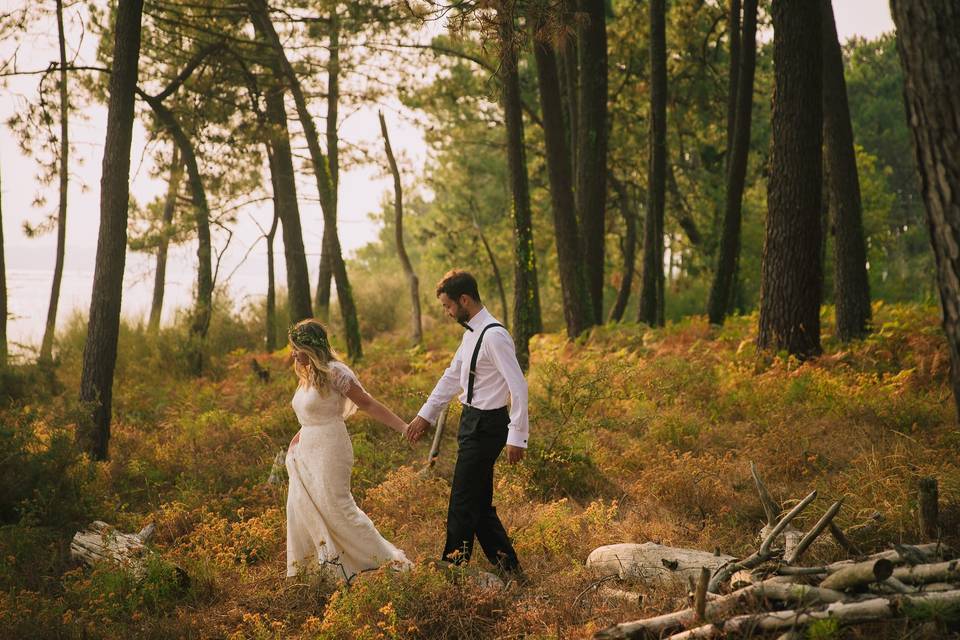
(43, 479)
(826, 629)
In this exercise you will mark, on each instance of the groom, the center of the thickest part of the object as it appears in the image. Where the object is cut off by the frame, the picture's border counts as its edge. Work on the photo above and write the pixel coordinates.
(485, 368)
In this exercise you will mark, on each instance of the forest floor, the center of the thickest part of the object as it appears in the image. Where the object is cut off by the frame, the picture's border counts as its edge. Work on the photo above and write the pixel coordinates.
(636, 435)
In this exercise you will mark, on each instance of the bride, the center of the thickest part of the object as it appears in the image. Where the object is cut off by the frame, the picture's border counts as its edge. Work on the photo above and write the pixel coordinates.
(325, 528)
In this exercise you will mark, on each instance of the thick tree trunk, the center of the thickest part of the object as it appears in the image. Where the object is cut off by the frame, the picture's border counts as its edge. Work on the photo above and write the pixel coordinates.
(285, 205)
(852, 288)
(526, 304)
(928, 41)
(3, 291)
(591, 176)
(100, 350)
(629, 211)
(651, 292)
(417, 329)
(791, 277)
(333, 158)
(203, 306)
(733, 79)
(569, 93)
(169, 209)
(724, 280)
(46, 346)
(325, 187)
(577, 306)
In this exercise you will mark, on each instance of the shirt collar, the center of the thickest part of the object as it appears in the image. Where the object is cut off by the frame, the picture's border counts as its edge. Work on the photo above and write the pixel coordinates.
(480, 320)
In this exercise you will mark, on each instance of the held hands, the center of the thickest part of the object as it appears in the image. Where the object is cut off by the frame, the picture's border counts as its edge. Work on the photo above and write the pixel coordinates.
(416, 428)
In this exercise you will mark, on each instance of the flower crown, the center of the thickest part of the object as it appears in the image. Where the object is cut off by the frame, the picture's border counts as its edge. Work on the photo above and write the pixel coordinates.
(309, 335)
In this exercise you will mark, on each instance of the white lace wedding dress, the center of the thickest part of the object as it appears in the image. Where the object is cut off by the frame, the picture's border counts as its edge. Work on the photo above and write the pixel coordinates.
(325, 528)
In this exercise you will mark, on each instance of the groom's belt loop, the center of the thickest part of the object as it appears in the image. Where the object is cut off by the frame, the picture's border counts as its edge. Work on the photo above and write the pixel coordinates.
(473, 361)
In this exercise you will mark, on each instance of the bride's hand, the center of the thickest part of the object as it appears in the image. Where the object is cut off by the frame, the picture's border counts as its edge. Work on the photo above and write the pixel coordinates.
(295, 440)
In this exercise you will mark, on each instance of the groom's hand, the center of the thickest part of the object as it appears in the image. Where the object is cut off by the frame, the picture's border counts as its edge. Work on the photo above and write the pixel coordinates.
(416, 428)
(515, 454)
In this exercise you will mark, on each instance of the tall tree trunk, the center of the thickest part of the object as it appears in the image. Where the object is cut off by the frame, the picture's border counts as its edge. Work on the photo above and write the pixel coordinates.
(569, 93)
(791, 277)
(591, 173)
(928, 42)
(3, 291)
(285, 204)
(628, 210)
(577, 306)
(100, 349)
(46, 346)
(169, 208)
(526, 304)
(651, 292)
(724, 279)
(203, 306)
(333, 158)
(733, 79)
(325, 187)
(271, 311)
(417, 329)
(852, 288)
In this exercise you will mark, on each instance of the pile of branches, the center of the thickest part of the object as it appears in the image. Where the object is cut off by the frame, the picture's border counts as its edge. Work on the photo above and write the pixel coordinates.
(771, 592)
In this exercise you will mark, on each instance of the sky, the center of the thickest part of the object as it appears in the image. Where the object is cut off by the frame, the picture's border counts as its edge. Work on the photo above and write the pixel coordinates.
(29, 261)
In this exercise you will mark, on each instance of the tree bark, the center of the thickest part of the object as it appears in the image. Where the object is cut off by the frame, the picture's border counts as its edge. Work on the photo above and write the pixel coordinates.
(526, 305)
(928, 42)
(333, 158)
(417, 329)
(791, 277)
(724, 280)
(285, 205)
(567, 71)
(46, 346)
(169, 208)
(733, 80)
(3, 292)
(325, 187)
(629, 211)
(203, 305)
(577, 305)
(651, 291)
(851, 286)
(591, 176)
(100, 350)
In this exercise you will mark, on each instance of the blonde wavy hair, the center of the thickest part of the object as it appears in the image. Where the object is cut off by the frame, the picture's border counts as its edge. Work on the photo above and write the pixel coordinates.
(310, 337)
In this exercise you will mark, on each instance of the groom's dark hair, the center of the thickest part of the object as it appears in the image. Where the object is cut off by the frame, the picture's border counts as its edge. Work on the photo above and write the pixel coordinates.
(456, 283)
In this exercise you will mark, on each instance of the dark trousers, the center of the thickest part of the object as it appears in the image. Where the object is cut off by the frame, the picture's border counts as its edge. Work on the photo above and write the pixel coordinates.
(481, 437)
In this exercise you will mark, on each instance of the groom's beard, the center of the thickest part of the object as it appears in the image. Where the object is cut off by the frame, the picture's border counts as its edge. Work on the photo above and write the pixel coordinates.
(462, 315)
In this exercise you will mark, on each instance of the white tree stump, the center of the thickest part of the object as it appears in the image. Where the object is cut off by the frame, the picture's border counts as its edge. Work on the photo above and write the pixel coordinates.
(653, 564)
(101, 542)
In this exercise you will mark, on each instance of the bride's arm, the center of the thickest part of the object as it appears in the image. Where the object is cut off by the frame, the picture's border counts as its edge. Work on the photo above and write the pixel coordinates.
(372, 407)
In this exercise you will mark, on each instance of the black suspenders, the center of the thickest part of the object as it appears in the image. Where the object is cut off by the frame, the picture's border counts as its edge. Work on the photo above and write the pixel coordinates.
(473, 361)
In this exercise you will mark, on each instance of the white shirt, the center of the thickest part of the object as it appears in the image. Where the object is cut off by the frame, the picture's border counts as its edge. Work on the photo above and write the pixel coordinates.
(498, 376)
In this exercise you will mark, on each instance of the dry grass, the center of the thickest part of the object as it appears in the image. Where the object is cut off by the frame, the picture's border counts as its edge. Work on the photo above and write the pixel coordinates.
(637, 435)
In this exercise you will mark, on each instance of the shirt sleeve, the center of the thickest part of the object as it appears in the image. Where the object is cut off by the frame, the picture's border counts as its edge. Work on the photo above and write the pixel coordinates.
(504, 356)
(445, 390)
(341, 376)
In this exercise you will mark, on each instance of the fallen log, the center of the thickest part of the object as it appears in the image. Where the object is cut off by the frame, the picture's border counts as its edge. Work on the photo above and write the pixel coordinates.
(795, 594)
(846, 613)
(940, 572)
(859, 574)
(653, 564)
(101, 542)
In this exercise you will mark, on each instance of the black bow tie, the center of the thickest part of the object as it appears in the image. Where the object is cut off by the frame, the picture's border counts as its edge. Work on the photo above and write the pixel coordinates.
(465, 325)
